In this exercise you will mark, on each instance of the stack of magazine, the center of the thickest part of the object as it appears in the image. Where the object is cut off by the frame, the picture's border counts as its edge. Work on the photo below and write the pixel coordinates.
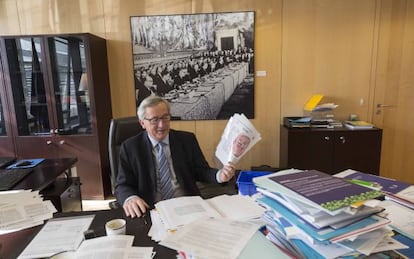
(311, 214)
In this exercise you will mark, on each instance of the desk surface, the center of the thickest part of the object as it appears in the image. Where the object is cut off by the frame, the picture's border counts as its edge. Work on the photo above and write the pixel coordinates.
(45, 173)
(11, 245)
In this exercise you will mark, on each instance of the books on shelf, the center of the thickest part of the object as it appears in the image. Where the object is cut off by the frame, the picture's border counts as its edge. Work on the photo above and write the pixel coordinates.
(358, 125)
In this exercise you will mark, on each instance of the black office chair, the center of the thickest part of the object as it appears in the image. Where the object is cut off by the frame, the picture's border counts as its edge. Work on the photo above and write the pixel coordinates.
(123, 128)
(119, 130)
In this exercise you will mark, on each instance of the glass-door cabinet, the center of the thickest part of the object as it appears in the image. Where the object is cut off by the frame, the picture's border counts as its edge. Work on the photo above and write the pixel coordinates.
(71, 93)
(25, 63)
(6, 137)
(58, 87)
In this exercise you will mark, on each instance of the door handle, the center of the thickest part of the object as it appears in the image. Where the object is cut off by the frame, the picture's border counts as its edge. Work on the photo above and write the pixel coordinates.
(379, 106)
(343, 139)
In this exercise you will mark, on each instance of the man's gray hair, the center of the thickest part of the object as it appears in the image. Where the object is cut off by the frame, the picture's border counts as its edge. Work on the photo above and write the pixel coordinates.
(150, 101)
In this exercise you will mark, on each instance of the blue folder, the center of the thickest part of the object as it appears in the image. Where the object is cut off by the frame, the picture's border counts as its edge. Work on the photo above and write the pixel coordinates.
(26, 163)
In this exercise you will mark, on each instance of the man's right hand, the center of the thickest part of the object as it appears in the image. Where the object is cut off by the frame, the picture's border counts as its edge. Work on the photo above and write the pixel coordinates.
(135, 207)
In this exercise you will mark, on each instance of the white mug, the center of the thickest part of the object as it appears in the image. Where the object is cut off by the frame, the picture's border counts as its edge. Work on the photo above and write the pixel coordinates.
(115, 227)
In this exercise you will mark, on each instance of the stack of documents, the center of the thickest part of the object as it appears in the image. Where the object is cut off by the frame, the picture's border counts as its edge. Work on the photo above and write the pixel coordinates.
(22, 209)
(195, 226)
(64, 238)
(311, 214)
(399, 198)
(169, 215)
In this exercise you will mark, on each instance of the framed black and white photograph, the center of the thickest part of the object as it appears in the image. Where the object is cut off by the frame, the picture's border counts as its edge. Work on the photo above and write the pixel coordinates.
(202, 64)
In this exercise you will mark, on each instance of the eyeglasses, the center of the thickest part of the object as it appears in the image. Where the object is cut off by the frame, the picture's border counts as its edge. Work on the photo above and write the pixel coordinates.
(156, 120)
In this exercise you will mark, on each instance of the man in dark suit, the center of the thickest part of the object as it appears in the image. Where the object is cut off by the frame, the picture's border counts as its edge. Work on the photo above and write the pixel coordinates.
(137, 187)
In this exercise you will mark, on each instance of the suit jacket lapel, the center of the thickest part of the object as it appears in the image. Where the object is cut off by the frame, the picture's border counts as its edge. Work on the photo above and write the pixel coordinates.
(151, 166)
(175, 148)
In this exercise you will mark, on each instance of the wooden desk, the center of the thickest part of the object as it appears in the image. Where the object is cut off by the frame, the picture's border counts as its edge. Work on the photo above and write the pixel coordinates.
(11, 245)
(63, 192)
(45, 173)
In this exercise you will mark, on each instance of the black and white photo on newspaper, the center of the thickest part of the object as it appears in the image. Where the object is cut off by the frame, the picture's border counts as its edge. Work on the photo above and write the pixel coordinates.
(238, 138)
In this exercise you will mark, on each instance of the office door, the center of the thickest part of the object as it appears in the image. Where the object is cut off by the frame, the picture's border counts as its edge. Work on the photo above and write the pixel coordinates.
(394, 89)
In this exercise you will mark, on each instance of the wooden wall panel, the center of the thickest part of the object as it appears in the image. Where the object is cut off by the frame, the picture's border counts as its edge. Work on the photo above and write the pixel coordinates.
(9, 18)
(305, 47)
(327, 49)
(61, 16)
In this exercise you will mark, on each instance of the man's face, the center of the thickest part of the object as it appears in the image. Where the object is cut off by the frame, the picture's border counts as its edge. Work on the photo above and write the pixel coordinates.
(240, 144)
(148, 81)
(159, 129)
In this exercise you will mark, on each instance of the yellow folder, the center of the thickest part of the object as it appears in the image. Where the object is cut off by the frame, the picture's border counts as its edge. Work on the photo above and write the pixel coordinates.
(313, 102)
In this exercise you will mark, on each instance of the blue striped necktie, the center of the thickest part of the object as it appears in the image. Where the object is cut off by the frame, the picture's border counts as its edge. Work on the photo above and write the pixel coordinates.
(166, 188)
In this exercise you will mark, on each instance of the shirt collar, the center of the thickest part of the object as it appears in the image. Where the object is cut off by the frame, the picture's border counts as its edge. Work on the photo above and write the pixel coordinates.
(154, 142)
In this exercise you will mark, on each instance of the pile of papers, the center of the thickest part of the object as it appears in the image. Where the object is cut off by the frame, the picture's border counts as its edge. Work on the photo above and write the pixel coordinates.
(399, 198)
(311, 214)
(64, 238)
(321, 114)
(238, 138)
(187, 224)
(22, 209)
(57, 236)
(115, 246)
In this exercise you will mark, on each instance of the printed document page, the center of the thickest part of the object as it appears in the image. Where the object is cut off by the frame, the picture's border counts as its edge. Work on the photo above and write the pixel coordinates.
(212, 238)
(58, 235)
(236, 207)
(183, 210)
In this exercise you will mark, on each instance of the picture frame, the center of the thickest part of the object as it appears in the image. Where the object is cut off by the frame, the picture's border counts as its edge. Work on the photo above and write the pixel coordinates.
(202, 64)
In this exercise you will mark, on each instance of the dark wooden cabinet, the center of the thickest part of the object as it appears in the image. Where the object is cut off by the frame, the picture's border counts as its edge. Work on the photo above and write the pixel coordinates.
(57, 94)
(331, 150)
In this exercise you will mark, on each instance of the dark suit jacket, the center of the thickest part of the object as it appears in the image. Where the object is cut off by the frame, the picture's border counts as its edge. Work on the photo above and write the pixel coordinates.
(137, 176)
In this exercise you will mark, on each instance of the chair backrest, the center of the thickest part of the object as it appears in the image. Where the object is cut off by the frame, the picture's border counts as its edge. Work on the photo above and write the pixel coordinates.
(119, 130)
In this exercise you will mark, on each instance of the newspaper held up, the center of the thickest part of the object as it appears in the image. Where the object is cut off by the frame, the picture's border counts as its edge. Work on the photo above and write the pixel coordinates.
(238, 138)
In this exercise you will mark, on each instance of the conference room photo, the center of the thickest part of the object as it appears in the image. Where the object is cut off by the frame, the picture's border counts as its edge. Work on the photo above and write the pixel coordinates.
(206, 129)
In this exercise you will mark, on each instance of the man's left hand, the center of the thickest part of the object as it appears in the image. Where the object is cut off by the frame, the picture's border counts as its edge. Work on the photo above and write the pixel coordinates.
(227, 172)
